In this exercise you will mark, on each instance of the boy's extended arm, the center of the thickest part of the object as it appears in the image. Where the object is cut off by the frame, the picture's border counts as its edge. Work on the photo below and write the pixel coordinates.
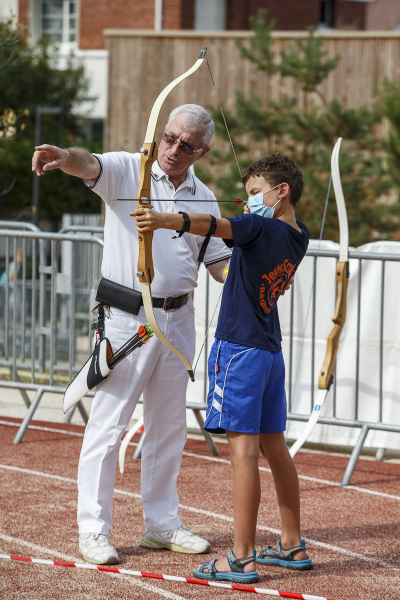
(150, 220)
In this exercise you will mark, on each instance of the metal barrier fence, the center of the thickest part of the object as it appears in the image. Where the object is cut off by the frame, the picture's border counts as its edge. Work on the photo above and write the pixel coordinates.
(40, 332)
(334, 419)
(33, 335)
(33, 294)
(38, 322)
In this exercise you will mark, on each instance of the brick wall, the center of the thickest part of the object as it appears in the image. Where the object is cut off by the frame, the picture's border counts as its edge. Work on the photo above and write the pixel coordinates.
(23, 13)
(289, 14)
(96, 15)
(383, 14)
(178, 14)
(237, 16)
(350, 15)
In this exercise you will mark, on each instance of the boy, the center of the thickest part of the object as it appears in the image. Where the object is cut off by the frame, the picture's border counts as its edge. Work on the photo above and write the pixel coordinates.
(246, 398)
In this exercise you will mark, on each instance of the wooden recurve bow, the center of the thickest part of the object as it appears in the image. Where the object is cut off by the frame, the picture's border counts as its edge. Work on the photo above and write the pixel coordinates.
(342, 277)
(149, 153)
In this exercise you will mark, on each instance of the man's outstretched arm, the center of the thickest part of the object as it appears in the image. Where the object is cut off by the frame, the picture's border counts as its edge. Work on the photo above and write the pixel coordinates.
(74, 161)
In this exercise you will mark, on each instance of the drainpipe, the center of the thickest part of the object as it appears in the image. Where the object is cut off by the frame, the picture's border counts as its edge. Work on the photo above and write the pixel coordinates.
(158, 15)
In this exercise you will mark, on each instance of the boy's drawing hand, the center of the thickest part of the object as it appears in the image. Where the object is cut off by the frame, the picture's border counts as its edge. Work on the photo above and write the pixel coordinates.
(246, 209)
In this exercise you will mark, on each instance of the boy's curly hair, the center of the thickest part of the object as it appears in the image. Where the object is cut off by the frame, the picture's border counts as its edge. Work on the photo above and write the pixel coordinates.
(277, 169)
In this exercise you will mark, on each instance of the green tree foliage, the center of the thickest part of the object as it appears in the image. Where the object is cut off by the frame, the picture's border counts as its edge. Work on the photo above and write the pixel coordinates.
(259, 49)
(29, 77)
(307, 62)
(390, 99)
(306, 128)
(9, 123)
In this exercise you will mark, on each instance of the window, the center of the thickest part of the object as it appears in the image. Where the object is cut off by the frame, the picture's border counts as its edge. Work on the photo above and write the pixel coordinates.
(210, 15)
(326, 13)
(58, 20)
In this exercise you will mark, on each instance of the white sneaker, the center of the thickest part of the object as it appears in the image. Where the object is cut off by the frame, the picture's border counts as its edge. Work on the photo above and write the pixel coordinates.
(177, 540)
(97, 549)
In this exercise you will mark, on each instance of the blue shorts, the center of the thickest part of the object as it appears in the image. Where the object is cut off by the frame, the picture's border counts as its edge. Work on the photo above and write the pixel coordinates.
(247, 390)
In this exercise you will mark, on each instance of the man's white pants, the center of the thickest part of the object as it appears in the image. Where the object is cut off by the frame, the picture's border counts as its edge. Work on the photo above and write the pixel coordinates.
(157, 373)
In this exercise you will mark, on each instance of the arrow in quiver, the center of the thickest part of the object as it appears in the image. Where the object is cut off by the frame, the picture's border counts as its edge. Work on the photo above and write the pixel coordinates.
(99, 365)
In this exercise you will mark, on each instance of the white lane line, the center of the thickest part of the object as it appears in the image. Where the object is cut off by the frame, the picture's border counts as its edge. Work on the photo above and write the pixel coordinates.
(14, 540)
(38, 473)
(329, 547)
(354, 488)
(68, 558)
(40, 428)
(225, 461)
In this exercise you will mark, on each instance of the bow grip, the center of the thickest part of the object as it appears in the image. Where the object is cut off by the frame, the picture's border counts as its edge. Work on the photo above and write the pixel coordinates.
(328, 368)
(149, 153)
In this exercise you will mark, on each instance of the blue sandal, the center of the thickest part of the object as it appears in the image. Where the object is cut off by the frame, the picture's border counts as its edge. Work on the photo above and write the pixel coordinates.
(284, 557)
(236, 574)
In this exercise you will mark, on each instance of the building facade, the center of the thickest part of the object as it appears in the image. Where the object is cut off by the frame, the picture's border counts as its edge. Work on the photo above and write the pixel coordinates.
(77, 25)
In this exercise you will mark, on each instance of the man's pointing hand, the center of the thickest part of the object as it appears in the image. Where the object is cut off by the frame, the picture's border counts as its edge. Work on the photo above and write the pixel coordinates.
(53, 156)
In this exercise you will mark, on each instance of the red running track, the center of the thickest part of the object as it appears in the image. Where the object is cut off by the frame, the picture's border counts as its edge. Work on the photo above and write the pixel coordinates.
(353, 535)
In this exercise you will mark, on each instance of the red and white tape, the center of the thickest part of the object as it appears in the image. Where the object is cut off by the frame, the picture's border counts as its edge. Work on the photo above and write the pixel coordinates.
(240, 588)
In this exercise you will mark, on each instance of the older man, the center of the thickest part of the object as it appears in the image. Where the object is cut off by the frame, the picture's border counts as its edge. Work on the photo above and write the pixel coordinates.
(154, 371)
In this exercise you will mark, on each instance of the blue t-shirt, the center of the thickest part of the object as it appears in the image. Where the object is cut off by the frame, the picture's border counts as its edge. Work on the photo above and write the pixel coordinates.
(266, 253)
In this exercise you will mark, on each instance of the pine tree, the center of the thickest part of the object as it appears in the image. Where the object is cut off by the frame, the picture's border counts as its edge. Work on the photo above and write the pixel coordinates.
(306, 128)
(390, 99)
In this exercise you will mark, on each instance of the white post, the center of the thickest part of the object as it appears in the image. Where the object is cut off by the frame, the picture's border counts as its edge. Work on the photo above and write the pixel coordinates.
(158, 15)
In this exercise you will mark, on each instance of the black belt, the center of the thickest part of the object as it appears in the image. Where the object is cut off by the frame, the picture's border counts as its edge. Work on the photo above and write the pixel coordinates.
(170, 302)
(119, 296)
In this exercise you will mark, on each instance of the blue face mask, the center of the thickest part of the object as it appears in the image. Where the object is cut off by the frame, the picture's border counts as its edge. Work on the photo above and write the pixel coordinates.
(257, 206)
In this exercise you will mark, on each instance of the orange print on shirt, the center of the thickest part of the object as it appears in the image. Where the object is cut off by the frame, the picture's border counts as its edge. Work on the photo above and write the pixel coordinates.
(276, 283)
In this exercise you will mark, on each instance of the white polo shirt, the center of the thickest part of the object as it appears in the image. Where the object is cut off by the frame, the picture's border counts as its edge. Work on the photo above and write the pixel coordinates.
(175, 261)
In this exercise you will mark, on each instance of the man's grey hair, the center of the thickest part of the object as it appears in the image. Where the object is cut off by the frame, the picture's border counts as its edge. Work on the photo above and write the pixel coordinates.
(195, 117)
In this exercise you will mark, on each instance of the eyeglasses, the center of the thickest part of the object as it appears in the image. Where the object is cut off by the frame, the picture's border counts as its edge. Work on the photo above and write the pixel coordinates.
(184, 147)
